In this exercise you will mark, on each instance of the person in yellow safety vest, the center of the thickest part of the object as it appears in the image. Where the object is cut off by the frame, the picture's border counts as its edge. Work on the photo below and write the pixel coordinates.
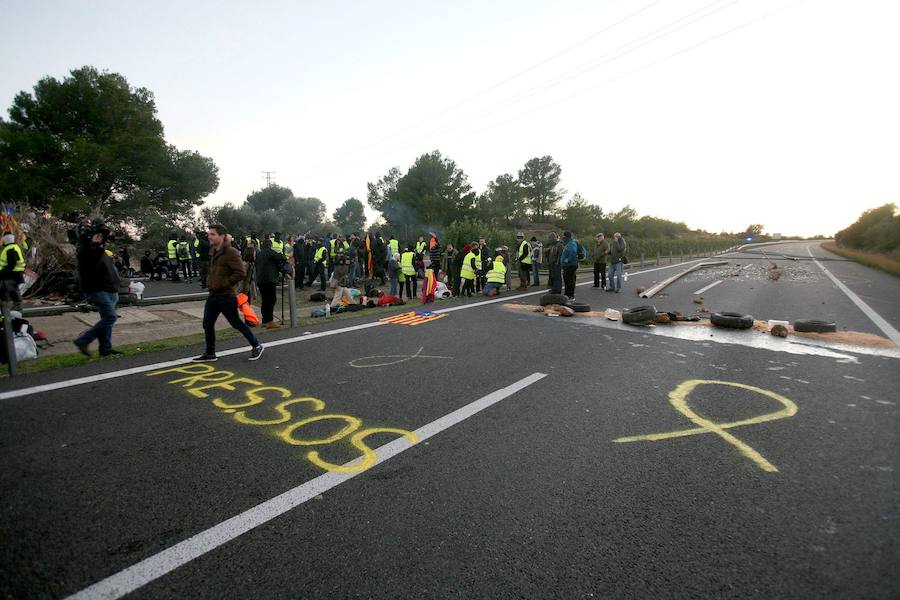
(12, 269)
(409, 273)
(277, 244)
(172, 249)
(496, 277)
(524, 260)
(420, 246)
(471, 265)
(320, 266)
(394, 244)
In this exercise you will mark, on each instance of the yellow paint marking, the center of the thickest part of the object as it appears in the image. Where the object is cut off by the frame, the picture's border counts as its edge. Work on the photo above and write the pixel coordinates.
(226, 384)
(191, 380)
(253, 397)
(678, 397)
(286, 416)
(192, 369)
(369, 456)
(352, 425)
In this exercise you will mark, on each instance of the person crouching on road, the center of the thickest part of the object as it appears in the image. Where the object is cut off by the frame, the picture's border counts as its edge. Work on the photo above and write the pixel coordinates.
(268, 273)
(496, 277)
(226, 270)
(100, 284)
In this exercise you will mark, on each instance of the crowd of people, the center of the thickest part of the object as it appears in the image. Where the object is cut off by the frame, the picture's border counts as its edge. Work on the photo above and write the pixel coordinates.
(345, 262)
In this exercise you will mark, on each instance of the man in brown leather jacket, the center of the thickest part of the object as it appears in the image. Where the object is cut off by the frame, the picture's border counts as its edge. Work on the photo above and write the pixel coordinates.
(226, 270)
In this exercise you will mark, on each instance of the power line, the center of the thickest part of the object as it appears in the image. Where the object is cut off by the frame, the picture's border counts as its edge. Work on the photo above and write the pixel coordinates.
(642, 67)
(494, 86)
(584, 68)
(269, 176)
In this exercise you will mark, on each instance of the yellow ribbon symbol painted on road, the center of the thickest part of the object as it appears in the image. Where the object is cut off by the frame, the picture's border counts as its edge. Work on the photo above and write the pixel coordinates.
(678, 397)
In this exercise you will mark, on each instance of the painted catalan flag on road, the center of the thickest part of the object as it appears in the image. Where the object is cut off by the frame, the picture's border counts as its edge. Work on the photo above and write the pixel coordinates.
(412, 318)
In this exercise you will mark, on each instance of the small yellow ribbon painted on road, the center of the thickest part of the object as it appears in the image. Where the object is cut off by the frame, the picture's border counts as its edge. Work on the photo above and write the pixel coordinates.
(678, 397)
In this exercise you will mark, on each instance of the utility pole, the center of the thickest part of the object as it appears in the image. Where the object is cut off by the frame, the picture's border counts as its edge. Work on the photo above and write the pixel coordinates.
(269, 176)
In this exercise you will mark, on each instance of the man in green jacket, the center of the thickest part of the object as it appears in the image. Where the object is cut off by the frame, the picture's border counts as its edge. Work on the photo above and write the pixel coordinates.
(600, 252)
(617, 251)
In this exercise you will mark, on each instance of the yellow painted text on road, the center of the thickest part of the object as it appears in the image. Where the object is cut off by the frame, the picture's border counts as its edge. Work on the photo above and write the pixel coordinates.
(679, 396)
(204, 381)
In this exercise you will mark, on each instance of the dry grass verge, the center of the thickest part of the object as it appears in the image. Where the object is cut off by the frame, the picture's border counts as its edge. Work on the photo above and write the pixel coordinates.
(882, 262)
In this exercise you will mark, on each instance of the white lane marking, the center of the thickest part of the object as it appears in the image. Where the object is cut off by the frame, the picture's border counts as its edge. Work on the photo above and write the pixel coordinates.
(710, 286)
(154, 567)
(883, 325)
(48, 387)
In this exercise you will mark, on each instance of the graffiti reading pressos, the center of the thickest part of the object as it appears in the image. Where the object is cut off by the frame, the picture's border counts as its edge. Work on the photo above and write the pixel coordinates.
(678, 397)
(233, 394)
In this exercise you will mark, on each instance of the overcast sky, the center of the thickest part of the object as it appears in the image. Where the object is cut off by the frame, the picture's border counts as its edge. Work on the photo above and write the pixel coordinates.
(715, 113)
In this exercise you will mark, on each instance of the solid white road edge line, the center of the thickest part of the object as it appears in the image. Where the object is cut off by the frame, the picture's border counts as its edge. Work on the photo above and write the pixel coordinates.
(709, 287)
(883, 325)
(154, 567)
(49, 387)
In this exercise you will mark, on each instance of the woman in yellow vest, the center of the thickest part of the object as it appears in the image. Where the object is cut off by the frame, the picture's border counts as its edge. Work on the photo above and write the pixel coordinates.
(408, 269)
(471, 265)
(12, 269)
(496, 277)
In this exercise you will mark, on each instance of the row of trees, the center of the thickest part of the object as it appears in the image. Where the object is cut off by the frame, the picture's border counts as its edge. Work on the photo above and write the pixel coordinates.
(434, 193)
(876, 230)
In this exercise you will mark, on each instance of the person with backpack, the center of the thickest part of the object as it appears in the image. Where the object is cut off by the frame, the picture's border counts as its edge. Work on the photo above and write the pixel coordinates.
(183, 252)
(569, 262)
(617, 259)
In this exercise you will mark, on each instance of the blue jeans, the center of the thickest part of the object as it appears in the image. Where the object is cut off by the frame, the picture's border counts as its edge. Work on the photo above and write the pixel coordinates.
(616, 270)
(351, 276)
(223, 304)
(534, 273)
(102, 329)
(492, 286)
(393, 286)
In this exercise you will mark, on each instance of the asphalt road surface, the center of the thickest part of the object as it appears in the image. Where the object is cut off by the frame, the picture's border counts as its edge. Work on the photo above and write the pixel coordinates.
(492, 452)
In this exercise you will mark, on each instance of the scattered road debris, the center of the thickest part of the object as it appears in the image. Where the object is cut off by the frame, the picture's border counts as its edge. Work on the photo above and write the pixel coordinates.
(662, 284)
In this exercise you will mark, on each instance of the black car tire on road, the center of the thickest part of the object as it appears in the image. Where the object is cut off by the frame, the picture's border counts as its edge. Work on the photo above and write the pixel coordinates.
(579, 306)
(548, 299)
(731, 320)
(814, 326)
(639, 314)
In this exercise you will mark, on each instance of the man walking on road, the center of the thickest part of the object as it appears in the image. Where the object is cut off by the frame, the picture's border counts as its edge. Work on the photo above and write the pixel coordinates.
(225, 272)
(100, 284)
(601, 249)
